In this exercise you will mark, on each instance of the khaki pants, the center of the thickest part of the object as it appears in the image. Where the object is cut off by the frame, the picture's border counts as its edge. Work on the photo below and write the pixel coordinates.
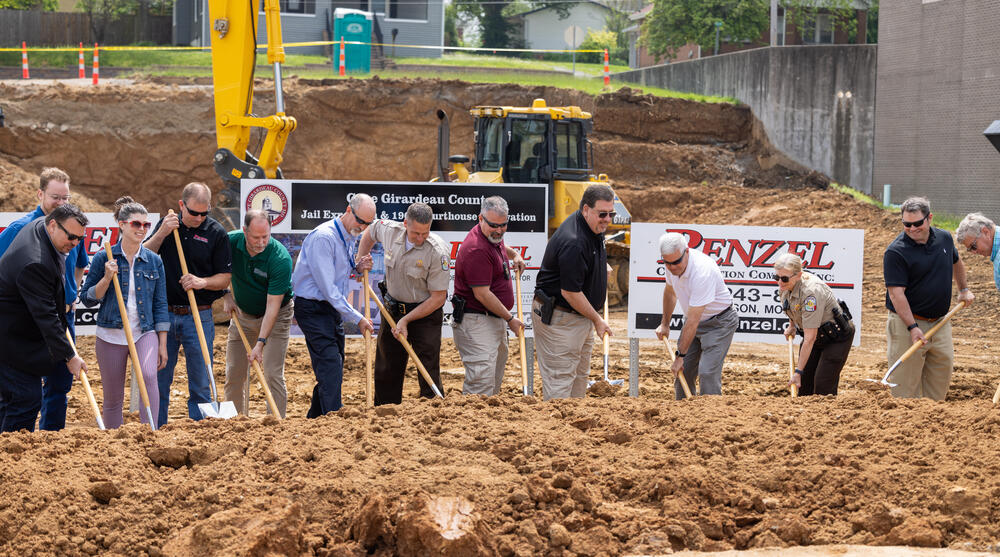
(273, 366)
(563, 348)
(482, 343)
(927, 373)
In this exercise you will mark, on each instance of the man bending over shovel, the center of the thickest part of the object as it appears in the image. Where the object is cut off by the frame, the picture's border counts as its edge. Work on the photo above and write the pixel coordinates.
(919, 266)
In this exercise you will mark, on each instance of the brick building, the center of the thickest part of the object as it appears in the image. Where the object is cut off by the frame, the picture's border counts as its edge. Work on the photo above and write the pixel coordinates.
(938, 89)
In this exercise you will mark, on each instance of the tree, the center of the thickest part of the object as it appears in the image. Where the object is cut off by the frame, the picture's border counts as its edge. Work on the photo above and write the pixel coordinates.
(41, 5)
(802, 14)
(674, 23)
(103, 12)
(492, 16)
(450, 28)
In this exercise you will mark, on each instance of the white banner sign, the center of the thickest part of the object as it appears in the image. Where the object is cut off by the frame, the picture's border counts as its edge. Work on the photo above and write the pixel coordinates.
(746, 256)
(102, 228)
(298, 206)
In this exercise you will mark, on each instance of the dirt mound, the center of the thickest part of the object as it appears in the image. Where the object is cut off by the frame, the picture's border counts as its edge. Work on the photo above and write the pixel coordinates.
(507, 475)
(19, 192)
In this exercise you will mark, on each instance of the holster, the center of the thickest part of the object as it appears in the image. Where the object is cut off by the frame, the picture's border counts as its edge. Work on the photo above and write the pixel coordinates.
(383, 289)
(457, 308)
(548, 306)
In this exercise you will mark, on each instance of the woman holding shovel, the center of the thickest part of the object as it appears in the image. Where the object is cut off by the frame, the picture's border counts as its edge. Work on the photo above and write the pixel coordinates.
(143, 282)
(825, 324)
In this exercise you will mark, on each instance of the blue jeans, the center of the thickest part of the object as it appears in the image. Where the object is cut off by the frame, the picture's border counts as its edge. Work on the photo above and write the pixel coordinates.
(324, 332)
(55, 387)
(20, 399)
(183, 333)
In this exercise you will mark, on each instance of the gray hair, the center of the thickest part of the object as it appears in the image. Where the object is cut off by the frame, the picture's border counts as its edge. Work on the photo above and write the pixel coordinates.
(914, 204)
(254, 214)
(672, 242)
(495, 204)
(595, 193)
(789, 262)
(972, 226)
(420, 213)
(358, 201)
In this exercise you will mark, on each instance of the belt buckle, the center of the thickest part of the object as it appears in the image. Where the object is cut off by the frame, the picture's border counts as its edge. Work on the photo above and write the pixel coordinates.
(401, 307)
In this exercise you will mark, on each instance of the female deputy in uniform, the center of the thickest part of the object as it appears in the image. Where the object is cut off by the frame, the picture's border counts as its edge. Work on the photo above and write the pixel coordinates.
(824, 323)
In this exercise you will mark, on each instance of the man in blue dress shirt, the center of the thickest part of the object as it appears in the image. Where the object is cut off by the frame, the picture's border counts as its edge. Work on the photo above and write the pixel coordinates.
(320, 282)
(53, 191)
(978, 234)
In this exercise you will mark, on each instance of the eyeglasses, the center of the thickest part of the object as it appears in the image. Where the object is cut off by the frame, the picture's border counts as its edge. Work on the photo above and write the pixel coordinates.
(972, 246)
(138, 224)
(494, 224)
(678, 260)
(362, 221)
(195, 213)
(65, 198)
(69, 236)
(606, 214)
(914, 223)
(783, 278)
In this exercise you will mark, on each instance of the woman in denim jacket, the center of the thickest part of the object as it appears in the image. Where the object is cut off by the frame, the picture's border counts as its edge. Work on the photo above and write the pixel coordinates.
(144, 287)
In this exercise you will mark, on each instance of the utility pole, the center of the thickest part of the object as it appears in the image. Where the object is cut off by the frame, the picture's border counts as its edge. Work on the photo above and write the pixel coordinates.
(718, 26)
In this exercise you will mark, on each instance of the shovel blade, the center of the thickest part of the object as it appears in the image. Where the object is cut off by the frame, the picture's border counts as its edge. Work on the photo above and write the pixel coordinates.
(222, 411)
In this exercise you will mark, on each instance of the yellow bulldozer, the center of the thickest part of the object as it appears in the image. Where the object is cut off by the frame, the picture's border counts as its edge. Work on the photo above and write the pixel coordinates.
(539, 144)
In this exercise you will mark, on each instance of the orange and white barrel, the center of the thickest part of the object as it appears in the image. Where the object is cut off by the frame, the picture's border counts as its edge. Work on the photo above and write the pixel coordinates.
(97, 65)
(343, 64)
(83, 69)
(24, 60)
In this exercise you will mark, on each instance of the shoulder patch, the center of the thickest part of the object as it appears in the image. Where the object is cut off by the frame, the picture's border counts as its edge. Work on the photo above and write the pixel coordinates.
(445, 263)
(809, 304)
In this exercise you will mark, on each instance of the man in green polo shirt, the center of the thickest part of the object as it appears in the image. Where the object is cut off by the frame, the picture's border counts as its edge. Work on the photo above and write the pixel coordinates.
(262, 295)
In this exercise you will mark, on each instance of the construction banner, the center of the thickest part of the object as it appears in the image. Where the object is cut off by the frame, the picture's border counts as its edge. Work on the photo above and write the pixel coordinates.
(298, 206)
(102, 227)
(745, 255)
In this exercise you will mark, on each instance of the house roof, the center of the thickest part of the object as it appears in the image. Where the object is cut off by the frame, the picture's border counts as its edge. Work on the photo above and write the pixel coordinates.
(550, 8)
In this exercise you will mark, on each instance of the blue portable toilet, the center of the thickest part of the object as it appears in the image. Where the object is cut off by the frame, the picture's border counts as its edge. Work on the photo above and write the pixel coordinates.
(352, 25)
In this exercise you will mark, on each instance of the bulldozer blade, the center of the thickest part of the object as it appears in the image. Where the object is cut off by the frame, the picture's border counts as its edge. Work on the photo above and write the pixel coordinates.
(223, 411)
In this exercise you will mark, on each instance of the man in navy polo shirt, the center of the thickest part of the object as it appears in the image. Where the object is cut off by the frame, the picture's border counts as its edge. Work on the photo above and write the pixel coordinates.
(482, 280)
(53, 191)
(919, 266)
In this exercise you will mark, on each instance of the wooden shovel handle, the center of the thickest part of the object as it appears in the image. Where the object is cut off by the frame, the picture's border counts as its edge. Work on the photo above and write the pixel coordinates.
(680, 376)
(402, 340)
(86, 386)
(791, 366)
(127, 327)
(520, 335)
(256, 368)
(369, 373)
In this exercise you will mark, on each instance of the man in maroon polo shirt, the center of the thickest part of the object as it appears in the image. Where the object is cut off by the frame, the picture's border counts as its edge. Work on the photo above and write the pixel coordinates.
(483, 282)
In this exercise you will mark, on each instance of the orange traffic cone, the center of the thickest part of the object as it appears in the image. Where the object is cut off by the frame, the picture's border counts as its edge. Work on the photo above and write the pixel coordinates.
(24, 60)
(83, 70)
(343, 65)
(607, 74)
(97, 65)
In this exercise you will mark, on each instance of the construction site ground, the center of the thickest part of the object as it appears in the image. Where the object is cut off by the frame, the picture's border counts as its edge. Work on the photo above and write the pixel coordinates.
(507, 475)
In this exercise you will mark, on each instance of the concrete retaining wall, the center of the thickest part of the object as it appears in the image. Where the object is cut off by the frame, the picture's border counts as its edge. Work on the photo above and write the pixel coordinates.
(816, 103)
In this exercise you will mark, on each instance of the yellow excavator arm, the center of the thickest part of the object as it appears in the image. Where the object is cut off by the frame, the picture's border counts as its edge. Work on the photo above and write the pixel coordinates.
(234, 55)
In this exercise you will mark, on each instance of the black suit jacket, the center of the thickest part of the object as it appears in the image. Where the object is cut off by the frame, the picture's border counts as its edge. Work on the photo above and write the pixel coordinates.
(32, 303)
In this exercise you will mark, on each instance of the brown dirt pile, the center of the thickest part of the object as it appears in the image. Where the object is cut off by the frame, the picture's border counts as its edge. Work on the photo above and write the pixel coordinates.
(605, 475)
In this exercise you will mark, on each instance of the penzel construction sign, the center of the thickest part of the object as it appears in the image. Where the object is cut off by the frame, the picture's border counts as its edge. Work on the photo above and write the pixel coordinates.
(745, 255)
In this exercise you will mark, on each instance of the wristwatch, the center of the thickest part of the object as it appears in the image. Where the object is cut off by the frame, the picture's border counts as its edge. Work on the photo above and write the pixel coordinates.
(911, 327)
(677, 354)
(262, 340)
(511, 317)
(799, 371)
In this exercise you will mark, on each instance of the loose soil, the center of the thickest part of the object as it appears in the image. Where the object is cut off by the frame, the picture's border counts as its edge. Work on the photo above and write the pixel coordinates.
(508, 475)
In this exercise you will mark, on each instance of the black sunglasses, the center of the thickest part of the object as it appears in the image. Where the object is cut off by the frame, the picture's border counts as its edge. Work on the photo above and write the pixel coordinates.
(606, 214)
(494, 224)
(362, 221)
(678, 260)
(195, 213)
(914, 223)
(70, 237)
(783, 279)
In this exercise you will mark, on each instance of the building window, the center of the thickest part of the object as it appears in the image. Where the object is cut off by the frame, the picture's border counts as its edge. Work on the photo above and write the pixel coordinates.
(781, 27)
(408, 9)
(294, 6)
(824, 29)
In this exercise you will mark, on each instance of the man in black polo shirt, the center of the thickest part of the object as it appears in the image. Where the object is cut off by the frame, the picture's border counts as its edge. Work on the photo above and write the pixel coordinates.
(919, 266)
(209, 263)
(574, 279)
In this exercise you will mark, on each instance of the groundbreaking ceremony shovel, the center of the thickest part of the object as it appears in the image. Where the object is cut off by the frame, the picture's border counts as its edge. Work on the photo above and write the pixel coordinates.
(369, 374)
(791, 366)
(607, 351)
(402, 340)
(916, 346)
(214, 409)
(256, 368)
(520, 339)
(680, 376)
(86, 386)
(127, 327)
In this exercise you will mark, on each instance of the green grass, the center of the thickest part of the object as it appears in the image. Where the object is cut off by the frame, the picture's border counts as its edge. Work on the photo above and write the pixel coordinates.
(140, 58)
(941, 220)
(487, 61)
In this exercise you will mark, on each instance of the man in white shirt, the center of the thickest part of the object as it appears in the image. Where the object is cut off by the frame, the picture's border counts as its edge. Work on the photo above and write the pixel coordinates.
(694, 280)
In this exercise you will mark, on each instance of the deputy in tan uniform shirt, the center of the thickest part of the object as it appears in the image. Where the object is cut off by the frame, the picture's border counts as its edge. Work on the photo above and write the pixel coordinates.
(812, 307)
(417, 269)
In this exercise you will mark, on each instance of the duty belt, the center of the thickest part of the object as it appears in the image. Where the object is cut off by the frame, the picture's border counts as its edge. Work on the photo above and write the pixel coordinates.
(399, 308)
(481, 312)
(186, 310)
